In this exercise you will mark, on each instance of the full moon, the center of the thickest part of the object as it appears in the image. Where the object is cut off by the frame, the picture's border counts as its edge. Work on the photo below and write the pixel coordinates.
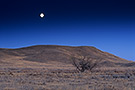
(42, 15)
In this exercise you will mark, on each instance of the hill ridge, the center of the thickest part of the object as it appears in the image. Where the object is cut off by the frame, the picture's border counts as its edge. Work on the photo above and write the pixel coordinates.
(63, 54)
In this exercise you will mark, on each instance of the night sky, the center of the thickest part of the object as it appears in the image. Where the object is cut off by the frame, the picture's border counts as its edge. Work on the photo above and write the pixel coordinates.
(108, 25)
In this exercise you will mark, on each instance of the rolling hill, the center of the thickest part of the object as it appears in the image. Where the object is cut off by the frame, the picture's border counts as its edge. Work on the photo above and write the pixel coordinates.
(61, 54)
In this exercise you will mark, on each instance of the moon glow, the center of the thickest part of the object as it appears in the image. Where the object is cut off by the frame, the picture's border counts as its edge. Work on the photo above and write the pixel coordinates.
(42, 15)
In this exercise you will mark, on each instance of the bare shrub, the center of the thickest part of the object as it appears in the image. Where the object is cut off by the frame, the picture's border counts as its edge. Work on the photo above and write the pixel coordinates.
(85, 63)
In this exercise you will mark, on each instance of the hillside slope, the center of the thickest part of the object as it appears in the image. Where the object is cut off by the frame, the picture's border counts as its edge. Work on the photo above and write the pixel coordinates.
(62, 54)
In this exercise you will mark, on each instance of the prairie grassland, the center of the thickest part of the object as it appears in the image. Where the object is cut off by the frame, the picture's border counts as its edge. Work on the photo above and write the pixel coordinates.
(50, 67)
(43, 77)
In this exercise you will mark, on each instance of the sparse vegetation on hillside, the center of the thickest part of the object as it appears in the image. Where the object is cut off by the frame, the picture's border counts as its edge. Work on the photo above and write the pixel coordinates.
(54, 68)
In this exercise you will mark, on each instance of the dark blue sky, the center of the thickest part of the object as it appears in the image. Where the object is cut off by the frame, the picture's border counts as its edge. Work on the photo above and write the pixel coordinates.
(108, 25)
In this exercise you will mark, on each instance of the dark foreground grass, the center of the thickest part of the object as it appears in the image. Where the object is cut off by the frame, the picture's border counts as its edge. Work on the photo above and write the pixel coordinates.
(66, 79)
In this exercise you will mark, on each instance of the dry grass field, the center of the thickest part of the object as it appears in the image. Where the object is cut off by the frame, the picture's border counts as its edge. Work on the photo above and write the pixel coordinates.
(19, 70)
(59, 78)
